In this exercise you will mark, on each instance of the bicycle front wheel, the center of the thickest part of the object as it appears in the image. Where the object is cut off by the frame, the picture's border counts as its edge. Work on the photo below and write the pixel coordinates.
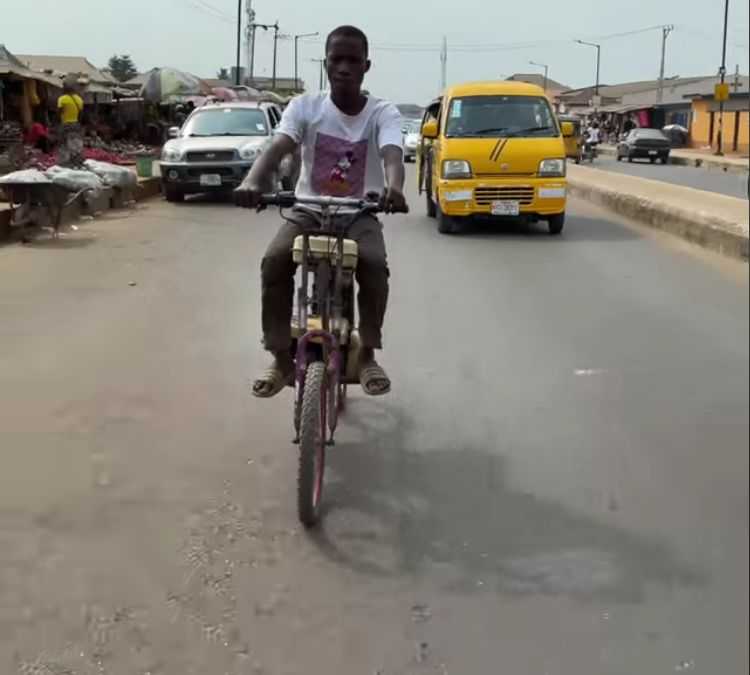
(312, 444)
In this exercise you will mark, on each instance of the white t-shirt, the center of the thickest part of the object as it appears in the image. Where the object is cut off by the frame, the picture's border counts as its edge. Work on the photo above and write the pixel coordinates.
(340, 152)
(593, 134)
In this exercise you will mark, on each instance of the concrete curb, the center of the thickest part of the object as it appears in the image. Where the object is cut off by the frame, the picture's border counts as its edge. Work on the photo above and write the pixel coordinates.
(147, 189)
(707, 162)
(704, 229)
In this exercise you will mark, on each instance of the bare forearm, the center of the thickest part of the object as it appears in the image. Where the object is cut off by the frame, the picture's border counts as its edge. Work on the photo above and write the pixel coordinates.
(393, 164)
(264, 167)
(394, 176)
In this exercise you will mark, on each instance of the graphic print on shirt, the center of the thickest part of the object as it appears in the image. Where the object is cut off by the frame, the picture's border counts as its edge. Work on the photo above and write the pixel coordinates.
(339, 166)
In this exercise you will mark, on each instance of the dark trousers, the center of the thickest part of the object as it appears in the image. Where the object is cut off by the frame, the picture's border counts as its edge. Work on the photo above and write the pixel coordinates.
(277, 281)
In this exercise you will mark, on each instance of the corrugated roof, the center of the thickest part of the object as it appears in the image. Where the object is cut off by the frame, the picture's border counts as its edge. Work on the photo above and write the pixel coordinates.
(537, 79)
(213, 82)
(139, 80)
(619, 91)
(10, 64)
(676, 92)
(281, 82)
(63, 65)
(706, 87)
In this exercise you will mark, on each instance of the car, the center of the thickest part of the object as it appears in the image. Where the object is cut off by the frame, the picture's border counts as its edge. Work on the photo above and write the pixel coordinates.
(644, 143)
(216, 147)
(496, 150)
(412, 139)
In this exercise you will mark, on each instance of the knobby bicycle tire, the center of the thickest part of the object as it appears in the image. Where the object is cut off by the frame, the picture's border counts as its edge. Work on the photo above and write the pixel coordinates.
(312, 444)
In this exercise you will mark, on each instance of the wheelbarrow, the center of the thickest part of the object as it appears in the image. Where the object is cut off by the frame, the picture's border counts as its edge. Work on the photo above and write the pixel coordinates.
(38, 204)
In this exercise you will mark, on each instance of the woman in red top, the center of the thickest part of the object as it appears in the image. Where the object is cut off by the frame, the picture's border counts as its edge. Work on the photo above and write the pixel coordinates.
(38, 136)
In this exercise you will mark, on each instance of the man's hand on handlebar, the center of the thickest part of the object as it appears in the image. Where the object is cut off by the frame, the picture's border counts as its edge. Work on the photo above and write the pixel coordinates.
(393, 201)
(248, 195)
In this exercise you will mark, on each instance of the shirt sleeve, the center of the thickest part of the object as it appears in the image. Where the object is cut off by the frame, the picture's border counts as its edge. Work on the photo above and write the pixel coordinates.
(60, 102)
(389, 127)
(293, 120)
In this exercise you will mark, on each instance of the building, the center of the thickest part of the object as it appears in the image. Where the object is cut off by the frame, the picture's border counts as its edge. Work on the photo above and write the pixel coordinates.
(582, 101)
(735, 121)
(554, 89)
(285, 86)
(656, 110)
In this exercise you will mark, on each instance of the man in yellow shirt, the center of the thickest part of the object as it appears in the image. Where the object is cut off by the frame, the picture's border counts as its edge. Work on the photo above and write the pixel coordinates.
(70, 106)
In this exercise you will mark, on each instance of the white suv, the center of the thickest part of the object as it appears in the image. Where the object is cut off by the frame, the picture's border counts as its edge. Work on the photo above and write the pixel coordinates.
(216, 147)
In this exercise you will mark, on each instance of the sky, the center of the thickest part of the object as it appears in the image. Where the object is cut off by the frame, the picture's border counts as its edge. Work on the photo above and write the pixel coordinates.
(486, 39)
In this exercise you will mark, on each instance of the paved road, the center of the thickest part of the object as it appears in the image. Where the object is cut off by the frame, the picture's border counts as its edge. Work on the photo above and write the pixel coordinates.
(558, 483)
(732, 184)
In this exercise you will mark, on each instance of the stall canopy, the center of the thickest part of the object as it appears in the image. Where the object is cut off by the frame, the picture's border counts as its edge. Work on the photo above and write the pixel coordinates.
(163, 85)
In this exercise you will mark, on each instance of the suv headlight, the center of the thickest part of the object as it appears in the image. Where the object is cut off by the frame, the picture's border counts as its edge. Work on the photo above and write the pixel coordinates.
(250, 152)
(456, 168)
(171, 155)
(553, 168)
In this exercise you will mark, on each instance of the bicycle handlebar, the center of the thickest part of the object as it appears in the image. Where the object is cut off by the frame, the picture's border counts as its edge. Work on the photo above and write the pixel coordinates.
(290, 199)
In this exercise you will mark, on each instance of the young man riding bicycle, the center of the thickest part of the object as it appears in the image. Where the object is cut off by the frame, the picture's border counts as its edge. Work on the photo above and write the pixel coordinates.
(351, 146)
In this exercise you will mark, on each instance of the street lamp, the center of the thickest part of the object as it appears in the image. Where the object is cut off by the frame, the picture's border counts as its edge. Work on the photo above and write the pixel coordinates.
(297, 38)
(546, 71)
(598, 61)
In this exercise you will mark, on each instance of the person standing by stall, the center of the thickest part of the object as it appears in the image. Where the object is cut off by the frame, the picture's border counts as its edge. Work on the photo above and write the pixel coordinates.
(70, 108)
(37, 136)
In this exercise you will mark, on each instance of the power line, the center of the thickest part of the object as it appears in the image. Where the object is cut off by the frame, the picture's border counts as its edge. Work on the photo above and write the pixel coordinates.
(630, 32)
(494, 47)
(214, 9)
(209, 10)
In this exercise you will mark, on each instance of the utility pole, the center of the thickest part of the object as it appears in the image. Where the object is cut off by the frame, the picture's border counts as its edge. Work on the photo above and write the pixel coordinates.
(444, 65)
(546, 72)
(251, 66)
(239, 41)
(665, 31)
(736, 83)
(321, 66)
(275, 52)
(297, 38)
(249, 36)
(598, 62)
(722, 75)
(264, 26)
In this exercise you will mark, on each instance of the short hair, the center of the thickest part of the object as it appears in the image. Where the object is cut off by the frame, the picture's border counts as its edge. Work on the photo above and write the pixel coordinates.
(348, 32)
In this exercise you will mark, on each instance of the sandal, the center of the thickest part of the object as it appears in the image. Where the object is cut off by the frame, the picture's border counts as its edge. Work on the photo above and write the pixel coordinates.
(273, 380)
(373, 379)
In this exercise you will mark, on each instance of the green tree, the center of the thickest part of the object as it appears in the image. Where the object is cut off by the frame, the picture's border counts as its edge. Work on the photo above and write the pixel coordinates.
(223, 74)
(122, 67)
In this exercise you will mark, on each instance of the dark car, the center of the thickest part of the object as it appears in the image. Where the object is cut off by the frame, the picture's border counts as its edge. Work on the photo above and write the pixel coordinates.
(649, 144)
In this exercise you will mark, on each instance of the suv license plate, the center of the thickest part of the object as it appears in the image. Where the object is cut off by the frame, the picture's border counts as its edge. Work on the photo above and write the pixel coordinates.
(211, 179)
(653, 152)
(505, 208)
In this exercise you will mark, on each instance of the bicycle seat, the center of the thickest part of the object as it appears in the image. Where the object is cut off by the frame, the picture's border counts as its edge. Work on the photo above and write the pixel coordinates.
(321, 247)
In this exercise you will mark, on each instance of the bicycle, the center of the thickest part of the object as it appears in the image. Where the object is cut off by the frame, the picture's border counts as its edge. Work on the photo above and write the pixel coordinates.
(325, 343)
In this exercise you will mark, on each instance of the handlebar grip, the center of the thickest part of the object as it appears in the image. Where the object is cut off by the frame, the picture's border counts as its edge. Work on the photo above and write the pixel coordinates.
(284, 199)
